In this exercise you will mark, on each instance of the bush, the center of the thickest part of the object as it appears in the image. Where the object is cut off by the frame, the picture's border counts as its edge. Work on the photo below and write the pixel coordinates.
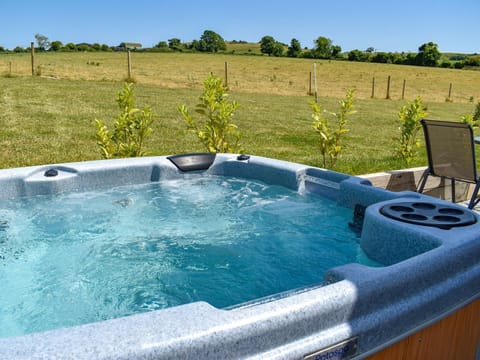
(217, 133)
(472, 119)
(472, 61)
(476, 113)
(130, 129)
(446, 64)
(409, 117)
(330, 139)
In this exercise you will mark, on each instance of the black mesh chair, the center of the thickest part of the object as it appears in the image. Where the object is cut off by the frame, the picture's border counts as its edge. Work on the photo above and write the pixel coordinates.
(451, 154)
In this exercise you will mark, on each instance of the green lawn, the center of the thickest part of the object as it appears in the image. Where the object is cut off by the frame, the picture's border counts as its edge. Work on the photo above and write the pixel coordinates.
(48, 119)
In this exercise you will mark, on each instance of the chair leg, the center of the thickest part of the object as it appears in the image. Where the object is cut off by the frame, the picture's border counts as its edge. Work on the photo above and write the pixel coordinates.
(473, 200)
(424, 181)
(453, 191)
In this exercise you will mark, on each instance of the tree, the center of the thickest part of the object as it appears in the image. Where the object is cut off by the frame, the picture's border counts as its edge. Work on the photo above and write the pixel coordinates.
(323, 48)
(381, 57)
(428, 55)
(278, 49)
(410, 59)
(295, 48)
(472, 61)
(42, 41)
(162, 45)
(195, 45)
(267, 44)
(210, 41)
(336, 50)
(70, 47)
(175, 44)
(19, 49)
(55, 45)
(357, 55)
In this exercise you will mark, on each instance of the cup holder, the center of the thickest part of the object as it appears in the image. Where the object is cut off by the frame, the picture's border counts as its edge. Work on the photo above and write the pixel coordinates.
(429, 214)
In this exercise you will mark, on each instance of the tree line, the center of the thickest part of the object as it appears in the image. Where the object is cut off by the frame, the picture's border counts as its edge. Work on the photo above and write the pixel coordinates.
(428, 54)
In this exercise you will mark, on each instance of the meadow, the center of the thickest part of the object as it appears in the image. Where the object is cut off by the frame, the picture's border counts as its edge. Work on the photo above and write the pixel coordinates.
(48, 118)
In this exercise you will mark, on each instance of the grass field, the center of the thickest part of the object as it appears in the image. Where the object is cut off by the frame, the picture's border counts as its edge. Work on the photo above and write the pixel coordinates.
(48, 118)
(253, 74)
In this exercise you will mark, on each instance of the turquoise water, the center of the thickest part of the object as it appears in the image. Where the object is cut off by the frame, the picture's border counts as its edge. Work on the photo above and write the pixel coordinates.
(76, 258)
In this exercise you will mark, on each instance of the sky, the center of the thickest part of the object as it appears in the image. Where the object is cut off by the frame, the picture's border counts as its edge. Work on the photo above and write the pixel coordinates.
(385, 25)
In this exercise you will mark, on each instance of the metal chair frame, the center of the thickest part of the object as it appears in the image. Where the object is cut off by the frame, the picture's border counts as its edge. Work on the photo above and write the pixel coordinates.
(446, 167)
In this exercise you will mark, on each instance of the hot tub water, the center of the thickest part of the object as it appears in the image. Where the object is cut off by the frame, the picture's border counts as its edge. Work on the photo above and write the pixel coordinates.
(76, 258)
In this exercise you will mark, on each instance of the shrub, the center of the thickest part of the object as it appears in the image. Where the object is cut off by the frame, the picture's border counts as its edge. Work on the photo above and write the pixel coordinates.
(409, 117)
(476, 113)
(330, 139)
(472, 61)
(468, 119)
(472, 119)
(217, 133)
(446, 64)
(130, 129)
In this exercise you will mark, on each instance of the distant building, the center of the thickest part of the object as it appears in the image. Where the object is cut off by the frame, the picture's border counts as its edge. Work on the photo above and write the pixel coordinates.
(83, 45)
(124, 46)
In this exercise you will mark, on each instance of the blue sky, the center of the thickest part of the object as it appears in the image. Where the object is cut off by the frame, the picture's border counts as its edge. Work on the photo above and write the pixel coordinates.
(385, 25)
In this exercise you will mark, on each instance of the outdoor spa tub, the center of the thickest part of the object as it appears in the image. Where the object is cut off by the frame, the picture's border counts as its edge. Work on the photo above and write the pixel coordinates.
(203, 256)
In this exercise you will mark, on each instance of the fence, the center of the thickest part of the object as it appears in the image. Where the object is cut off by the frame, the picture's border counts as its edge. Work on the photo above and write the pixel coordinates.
(255, 74)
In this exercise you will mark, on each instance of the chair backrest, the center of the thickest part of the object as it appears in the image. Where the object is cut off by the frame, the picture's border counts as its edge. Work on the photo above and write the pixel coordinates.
(450, 150)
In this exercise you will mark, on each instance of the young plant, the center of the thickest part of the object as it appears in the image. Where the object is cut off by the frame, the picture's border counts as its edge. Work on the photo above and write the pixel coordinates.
(131, 128)
(409, 117)
(476, 112)
(330, 138)
(472, 119)
(217, 132)
(468, 119)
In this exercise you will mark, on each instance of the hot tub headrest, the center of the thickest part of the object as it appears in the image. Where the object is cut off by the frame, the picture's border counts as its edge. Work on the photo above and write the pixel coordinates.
(192, 162)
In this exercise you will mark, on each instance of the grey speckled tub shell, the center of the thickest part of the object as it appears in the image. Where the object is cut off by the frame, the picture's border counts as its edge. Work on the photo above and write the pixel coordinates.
(430, 273)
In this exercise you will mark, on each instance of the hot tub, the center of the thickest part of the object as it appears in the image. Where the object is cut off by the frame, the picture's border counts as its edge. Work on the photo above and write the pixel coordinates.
(419, 264)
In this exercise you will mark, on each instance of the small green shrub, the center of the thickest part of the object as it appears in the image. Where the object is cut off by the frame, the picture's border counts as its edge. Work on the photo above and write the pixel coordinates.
(409, 117)
(476, 112)
(468, 119)
(131, 128)
(217, 133)
(330, 138)
(472, 119)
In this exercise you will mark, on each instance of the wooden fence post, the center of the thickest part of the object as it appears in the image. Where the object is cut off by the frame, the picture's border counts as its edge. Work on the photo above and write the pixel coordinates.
(403, 89)
(450, 92)
(129, 60)
(226, 75)
(310, 84)
(32, 54)
(373, 88)
(388, 87)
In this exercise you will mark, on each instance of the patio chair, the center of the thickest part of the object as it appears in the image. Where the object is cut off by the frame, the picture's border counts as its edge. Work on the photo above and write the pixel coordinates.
(451, 155)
